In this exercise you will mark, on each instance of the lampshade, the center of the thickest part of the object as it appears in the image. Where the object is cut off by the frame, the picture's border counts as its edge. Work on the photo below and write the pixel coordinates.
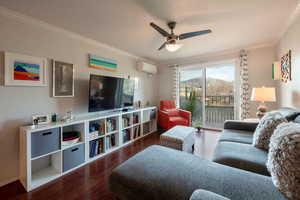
(173, 47)
(263, 94)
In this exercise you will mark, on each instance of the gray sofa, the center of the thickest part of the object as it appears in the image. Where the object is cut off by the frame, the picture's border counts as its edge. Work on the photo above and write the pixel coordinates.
(235, 145)
(239, 171)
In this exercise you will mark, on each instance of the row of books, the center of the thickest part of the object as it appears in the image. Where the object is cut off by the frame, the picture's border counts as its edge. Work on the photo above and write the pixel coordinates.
(126, 135)
(111, 125)
(96, 147)
(125, 121)
(136, 132)
(110, 141)
(136, 118)
(97, 126)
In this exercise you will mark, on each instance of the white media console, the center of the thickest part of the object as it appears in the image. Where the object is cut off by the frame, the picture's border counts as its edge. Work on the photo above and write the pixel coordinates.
(43, 157)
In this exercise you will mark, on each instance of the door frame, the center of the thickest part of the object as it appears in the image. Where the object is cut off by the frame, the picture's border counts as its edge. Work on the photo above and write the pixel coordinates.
(236, 89)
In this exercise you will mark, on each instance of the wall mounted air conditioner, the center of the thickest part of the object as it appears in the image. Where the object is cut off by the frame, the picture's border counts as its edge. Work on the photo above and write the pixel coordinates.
(146, 67)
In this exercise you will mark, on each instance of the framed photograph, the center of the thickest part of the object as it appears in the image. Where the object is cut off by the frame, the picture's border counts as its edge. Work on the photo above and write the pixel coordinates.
(40, 119)
(22, 70)
(63, 79)
(286, 74)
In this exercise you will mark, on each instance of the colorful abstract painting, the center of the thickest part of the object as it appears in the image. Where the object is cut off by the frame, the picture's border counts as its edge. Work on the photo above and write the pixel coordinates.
(26, 71)
(102, 63)
(286, 67)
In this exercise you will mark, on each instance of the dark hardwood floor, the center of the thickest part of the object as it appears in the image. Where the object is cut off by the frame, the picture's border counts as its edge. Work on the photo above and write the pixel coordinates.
(91, 181)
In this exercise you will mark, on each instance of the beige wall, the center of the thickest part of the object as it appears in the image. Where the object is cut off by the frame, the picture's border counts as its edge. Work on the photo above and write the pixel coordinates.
(259, 62)
(260, 72)
(18, 104)
(290, 92)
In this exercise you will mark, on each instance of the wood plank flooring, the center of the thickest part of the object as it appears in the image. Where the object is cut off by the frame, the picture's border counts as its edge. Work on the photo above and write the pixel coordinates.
(90, 182)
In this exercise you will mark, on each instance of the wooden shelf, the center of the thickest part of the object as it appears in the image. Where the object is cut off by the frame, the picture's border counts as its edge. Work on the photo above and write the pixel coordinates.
(35, 158)
(112, 132)
(69, 146)
(95, 138)
(43, 176)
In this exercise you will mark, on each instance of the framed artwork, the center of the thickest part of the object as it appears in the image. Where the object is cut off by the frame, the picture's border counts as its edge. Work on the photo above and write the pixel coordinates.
(22, 70)
(102, 63)
(286, 74)
(63, 79)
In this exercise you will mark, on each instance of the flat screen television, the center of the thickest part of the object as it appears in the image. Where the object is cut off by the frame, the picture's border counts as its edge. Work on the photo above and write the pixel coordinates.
(110, 93)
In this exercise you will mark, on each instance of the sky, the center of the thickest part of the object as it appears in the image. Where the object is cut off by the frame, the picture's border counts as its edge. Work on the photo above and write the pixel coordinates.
(223, 72)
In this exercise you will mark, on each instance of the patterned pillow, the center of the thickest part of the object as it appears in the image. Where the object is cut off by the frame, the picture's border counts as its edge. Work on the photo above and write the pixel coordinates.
(283, 159)
(265, 129)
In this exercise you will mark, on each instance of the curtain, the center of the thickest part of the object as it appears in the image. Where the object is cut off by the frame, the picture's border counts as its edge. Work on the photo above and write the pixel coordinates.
(175, 89)
(245, 87)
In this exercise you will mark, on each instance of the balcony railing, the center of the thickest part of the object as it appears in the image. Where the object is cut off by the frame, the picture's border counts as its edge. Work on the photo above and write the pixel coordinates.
(217, 110)
(216, 115)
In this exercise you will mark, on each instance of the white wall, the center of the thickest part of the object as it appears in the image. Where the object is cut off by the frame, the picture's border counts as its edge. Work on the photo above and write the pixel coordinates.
(18, 104)
(259, 62)
(290, 92)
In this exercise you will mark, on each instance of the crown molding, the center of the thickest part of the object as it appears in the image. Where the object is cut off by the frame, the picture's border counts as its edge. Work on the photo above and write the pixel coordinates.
(27, 19)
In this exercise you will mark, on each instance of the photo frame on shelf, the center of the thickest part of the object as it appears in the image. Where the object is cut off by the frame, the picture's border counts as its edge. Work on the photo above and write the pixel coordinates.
(23, 70)
(286, 63)
(41, 119)
(63, 79)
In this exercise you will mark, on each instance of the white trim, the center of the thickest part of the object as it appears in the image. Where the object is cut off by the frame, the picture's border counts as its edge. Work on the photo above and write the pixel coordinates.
(27, 19)
(8, 181)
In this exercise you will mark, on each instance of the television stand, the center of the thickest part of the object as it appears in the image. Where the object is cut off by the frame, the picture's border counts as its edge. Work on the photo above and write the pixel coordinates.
(44, 156)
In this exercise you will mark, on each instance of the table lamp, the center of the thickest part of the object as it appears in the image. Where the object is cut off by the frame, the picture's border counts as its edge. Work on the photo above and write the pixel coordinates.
(263, 95)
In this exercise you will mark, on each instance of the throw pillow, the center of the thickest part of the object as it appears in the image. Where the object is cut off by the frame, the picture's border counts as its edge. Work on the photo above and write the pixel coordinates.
(283, 159)
(265, 129)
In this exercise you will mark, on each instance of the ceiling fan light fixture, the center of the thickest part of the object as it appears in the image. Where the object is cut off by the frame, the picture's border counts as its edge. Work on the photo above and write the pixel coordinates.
(173, 47)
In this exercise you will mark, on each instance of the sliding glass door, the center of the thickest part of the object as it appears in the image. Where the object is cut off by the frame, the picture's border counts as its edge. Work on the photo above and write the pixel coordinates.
(208, 92)
(191, 93)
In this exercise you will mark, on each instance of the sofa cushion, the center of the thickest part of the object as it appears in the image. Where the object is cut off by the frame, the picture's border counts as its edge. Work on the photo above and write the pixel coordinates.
(283, 159)
(289, 113)
(160, 173)
(265, 129)
(229, 135)
(178, 120)
(206, 195)
(240, 125)
(242, 156)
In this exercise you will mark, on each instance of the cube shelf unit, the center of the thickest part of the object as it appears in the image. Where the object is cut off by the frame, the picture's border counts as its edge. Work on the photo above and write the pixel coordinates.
(43, 157)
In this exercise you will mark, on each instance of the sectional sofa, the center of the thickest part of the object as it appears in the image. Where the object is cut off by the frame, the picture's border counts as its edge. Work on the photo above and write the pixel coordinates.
(238, 170)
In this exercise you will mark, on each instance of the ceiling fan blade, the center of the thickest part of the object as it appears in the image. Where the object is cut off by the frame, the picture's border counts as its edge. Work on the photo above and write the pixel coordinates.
(160, 30)
(193, 34)
(162, 46)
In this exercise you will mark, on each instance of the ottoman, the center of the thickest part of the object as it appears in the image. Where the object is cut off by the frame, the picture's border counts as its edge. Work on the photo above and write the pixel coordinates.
(179, 137)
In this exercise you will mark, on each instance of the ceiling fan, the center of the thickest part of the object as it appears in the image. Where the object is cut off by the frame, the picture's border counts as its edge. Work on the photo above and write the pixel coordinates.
(171, 43)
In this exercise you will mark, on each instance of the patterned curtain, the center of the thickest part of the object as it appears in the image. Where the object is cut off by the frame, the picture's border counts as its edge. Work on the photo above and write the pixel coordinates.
(245, 87)
(175, 90)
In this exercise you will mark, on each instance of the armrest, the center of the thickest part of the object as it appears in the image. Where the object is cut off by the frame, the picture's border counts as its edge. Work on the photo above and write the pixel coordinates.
(186, 114)
(206, 195)
(240, 125)
(162, 115)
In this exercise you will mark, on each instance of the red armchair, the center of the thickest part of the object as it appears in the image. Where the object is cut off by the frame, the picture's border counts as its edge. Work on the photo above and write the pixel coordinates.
(169, 116)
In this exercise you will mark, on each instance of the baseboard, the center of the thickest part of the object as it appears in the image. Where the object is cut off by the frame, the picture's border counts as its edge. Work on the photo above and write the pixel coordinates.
(3, 183)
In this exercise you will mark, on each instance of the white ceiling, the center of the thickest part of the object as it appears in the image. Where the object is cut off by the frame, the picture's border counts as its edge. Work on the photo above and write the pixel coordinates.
(124, 24)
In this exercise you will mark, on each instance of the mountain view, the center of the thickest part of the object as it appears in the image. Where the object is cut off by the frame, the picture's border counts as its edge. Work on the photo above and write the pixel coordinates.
(214, 87)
